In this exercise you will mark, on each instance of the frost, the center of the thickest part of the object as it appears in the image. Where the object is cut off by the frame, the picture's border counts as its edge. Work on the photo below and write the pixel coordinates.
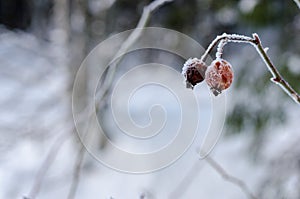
(266, 49)
(239, 38)
(188, 63)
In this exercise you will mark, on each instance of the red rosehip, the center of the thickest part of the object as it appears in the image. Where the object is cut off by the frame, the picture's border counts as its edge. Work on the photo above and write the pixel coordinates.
(219, 76)
(194, 71)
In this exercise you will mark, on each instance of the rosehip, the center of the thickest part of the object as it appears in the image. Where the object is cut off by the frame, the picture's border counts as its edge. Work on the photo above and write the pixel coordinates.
(219, 76)
(194, 71)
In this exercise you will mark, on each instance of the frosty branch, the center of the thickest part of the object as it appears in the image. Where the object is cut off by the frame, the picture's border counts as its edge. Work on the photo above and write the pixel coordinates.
(217, 167)
(297, 3)
(277, 78)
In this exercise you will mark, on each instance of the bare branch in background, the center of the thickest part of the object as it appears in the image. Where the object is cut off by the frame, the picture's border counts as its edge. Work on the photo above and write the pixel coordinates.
(80, 157)
(127, 43)
(192, 174)
(217, 167)
(58, 143)
(188, 179)
(76, 175)
(54, 149)
(109, 79)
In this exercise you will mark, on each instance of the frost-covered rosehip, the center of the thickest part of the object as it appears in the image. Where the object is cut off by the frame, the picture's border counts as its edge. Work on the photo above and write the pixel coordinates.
(219, 76)
(194, 71)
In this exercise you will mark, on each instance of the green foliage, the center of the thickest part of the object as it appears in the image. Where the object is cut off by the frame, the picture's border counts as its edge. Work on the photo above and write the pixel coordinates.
(255, 121)
(270, 13)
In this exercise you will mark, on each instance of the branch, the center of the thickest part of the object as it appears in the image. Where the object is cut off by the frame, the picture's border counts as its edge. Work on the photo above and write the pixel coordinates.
(58, 143)
(76, 174)
(46, 165)
(255, 41)
(80, 156)
(228, 38)
(188, 179)
(132, 38)
(297, 3)
(277, 78)
(217, 167)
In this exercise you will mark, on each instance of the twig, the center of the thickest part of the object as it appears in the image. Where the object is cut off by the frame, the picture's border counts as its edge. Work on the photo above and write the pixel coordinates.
(80, 156)
(277, 78)
(109, 79)
(76, 175)
(188, 179)
(58, 143)
(217, 167)
(46, 165)
(256, 42)
(132, 38)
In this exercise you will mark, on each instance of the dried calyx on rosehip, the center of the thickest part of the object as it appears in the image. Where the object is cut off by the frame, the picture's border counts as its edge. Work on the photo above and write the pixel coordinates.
(194, 72)
(219, 76)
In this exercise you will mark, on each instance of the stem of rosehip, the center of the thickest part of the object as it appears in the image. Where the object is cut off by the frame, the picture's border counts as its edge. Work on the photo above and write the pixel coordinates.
(212, 45)
(221, 45)
(227, 38)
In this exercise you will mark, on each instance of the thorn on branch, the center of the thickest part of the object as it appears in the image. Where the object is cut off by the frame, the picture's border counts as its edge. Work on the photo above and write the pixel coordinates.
(276, 80)
(266, 49)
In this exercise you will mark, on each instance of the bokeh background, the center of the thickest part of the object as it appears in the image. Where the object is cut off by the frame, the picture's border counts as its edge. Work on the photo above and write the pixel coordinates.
(42, 44)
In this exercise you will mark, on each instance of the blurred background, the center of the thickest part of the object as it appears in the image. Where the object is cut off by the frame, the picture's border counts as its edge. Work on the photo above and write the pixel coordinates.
(42, 44)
